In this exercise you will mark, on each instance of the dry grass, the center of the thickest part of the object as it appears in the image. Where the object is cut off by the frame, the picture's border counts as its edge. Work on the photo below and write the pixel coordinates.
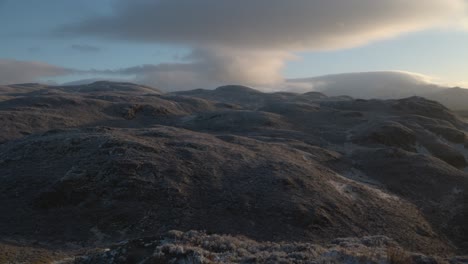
(16, 254)
(198, 247)
(398, 256)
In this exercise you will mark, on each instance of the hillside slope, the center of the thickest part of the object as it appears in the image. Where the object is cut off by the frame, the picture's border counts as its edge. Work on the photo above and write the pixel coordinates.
(94, 165)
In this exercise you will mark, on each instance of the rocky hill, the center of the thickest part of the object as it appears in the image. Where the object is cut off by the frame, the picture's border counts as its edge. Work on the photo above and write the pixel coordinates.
(87, 167)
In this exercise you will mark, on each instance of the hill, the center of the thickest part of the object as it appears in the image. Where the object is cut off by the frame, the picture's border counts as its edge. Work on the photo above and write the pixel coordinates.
(90, 166)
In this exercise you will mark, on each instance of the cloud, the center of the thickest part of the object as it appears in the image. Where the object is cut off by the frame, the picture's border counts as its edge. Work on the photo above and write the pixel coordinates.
(367, 85)
(202, 65)
(462, 84)
(209, 68)
(14, 71)
(273, 24)
(85, 48)
(248, 41)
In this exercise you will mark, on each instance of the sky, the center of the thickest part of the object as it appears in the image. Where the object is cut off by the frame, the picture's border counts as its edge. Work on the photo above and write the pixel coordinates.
(186, 44)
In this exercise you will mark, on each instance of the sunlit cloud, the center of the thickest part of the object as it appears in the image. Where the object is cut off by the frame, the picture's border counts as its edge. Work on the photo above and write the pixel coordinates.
(249, 42)
(246, 42)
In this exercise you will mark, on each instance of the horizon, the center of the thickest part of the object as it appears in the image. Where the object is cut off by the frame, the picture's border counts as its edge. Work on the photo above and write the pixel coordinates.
(258, 44)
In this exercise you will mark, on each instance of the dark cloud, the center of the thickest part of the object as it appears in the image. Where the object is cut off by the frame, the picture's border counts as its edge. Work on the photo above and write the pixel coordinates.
(272, 24)
(85, 48)
(14, 71)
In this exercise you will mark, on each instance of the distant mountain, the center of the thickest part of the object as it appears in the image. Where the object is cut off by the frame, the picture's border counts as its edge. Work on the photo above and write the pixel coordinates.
(454, 98)
(368, 85)
(254, 99)
(90, 81)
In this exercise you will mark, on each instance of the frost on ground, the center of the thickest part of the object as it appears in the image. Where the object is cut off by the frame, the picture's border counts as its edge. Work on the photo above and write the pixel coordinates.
(96, 164)
(198, 247)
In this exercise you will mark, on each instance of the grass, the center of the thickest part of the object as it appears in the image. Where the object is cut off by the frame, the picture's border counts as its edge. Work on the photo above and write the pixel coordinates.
(398, 256)
(11, 253)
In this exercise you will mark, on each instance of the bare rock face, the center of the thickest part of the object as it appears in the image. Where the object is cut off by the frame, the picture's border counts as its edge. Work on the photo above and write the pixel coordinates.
(97, 164)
